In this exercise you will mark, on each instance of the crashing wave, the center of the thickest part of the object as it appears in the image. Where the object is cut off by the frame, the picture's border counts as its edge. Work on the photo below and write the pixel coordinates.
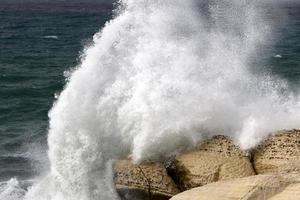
(160, 77)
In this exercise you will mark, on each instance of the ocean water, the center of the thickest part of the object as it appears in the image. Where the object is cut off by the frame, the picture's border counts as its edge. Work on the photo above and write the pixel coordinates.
(285, 59)
(38, 46)
(156, 80)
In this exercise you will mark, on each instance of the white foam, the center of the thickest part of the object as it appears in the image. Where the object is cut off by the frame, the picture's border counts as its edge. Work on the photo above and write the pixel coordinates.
(51, 37)
(11, 190)
(160, 77)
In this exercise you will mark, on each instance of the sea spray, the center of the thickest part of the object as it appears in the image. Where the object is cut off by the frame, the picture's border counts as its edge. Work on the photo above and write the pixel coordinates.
(160, 77)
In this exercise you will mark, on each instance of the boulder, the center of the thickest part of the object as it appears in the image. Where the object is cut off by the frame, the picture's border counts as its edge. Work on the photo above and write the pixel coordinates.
(143, 181)
(259, 187)
(291, 192)
(279, 153)
(214, 160)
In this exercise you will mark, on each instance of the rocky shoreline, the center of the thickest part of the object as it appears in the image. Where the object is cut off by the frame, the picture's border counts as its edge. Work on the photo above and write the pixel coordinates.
(219, 170)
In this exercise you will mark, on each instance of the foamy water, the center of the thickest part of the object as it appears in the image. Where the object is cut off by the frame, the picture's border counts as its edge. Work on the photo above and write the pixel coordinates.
(159, 78)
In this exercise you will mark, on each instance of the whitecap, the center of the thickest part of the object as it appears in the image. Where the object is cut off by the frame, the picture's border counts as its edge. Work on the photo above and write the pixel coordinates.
(14, 189)
(278, 56)
(50, 37)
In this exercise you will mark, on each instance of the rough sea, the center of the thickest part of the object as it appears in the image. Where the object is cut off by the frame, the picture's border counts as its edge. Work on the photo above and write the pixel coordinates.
(39, 44)
(42, 43)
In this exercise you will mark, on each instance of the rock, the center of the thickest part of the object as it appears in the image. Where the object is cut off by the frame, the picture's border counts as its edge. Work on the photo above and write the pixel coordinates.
(260, 187)
(143, 181)
(291, 192)
(279, 153)
(216, 159)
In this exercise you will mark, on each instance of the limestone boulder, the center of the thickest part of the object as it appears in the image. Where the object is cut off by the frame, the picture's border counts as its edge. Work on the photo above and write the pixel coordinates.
(259, 187)
(143, 181)
(279, 153)
(214, 160)
(291, 192)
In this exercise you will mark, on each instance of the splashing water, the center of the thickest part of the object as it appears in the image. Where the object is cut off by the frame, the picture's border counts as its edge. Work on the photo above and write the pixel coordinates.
(160, 77)
(11, 190)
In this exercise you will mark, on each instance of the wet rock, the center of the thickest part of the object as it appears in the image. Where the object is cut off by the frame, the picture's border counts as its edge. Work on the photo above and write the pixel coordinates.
(144, 181)
(260, 187)
(216, 159)
(279, 153)
(291, 192)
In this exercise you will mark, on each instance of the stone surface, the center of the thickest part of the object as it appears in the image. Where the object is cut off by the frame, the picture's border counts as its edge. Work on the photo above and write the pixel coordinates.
(143, 181)
(291, 192)
(279, 153)
(216, 159)
(260, 187)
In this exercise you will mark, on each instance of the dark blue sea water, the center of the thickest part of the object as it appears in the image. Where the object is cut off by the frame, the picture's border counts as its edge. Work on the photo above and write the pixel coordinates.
(36, 47)
(39, 42)
(285, 58)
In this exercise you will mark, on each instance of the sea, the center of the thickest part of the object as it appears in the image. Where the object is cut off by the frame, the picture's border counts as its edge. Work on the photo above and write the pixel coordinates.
(39, 44)
(42, 43)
